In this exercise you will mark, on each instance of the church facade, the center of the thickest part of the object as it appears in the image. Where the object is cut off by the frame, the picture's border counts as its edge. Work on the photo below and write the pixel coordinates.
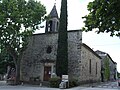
(39, 59)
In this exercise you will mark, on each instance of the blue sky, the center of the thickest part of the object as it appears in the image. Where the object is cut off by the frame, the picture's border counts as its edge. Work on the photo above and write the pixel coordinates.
(78, 9)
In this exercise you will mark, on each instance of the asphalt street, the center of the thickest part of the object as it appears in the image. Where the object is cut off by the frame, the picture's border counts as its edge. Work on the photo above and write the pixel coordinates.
(103, 86)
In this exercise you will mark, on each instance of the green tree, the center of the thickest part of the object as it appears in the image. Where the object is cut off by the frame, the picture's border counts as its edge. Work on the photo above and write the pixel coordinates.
(107, 69)
(104, 16)
(62, 51)
(18, 20)
(5, 60)
(118, 74)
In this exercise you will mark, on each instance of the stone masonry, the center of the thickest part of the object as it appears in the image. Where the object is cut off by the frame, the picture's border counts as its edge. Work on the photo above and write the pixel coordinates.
(87, 56)
(42, 51)
(36, 56)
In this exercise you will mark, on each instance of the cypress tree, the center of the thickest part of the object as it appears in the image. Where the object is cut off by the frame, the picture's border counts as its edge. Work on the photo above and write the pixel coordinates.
(62, 51)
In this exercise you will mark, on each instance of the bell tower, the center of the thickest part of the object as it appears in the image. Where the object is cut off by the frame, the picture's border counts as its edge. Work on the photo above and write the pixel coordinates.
(52, 23)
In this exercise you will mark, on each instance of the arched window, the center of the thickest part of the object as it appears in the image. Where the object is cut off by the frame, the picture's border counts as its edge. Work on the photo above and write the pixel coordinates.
(50, 26)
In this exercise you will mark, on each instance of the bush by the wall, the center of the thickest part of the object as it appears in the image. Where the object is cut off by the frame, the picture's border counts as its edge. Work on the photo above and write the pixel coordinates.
(54, 82)
(73, 83)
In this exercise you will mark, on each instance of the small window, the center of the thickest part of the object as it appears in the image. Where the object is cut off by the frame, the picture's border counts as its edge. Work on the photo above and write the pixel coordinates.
(90, 66)
(96, 68)
(49, 49)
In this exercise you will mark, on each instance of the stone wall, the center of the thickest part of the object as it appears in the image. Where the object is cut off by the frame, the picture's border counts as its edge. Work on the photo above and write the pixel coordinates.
(74, 54)
(37, 53)
(87, 56)
(42, 50)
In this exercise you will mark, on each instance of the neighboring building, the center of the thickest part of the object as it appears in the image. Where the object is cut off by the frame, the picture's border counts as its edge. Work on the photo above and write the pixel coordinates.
(109, 71)
(39, 59)
(90, 65)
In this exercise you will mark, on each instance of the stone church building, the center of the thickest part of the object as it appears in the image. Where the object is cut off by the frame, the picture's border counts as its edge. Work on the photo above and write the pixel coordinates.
(39, 59)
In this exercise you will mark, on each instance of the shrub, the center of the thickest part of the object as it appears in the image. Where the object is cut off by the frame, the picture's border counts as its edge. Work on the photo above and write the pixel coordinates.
(73, 83)
(54, 82)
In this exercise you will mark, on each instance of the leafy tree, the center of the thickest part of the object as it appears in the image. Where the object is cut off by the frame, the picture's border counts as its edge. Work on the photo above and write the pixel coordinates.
(18, 20)
(5, 60)
(62, 51)
(104, 16)
(118, 74)
(107, 69)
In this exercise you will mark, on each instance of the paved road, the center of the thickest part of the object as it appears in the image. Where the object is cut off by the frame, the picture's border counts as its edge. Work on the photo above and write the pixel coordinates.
(2, 83)
(42, 88)
(112, 85)
(106, 86)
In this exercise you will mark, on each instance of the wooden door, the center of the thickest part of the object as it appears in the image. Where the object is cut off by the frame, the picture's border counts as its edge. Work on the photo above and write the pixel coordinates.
(47, 73)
